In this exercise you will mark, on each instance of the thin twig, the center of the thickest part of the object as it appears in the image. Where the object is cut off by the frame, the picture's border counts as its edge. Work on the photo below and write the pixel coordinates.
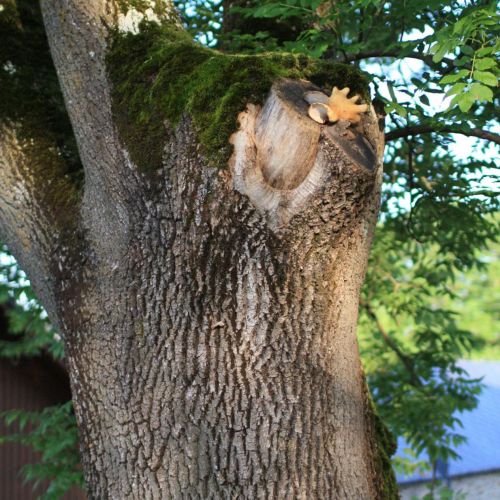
(406, 360)
(446, 129)
(395, 53)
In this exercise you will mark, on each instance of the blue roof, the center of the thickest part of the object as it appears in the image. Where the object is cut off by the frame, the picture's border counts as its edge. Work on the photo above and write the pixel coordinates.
(481, 427)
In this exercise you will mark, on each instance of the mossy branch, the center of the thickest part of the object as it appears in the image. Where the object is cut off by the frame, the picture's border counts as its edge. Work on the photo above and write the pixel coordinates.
(40, 170)
(32, 111)
(160, 75)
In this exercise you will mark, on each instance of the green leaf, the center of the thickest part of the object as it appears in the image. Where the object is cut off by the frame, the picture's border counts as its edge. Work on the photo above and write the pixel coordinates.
(314, 4)
(457, 88)
(400, 110)
(424, 99)
(454, 78)
(465, 102)
(459, 25)
(319, 50)
(439, 55)
(467, 50)
(484, 51)
(478, 91)
(462, 61)
(391, 91)
(271, 10)
(486, 77)
(485, 63)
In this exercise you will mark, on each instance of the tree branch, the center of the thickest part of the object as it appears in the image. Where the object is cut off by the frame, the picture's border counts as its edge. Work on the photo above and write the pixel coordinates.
(406, 360)
(39, 163)
(395, 53)
(445, 129)
(78, 31)
(38, 208)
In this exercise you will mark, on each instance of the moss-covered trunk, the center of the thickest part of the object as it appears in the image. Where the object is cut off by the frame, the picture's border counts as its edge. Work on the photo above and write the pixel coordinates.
(209, 304)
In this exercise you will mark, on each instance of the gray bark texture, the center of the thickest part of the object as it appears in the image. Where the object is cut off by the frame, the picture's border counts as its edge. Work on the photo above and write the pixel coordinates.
(209, 316)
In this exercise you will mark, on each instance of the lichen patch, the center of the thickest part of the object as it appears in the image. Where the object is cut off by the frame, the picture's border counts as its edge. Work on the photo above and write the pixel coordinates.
(130, 21)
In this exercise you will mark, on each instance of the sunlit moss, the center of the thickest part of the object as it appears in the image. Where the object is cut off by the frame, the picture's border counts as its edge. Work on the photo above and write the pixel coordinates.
(160, 74)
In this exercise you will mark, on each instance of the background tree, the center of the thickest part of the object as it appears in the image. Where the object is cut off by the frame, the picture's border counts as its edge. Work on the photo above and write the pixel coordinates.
(437, 183)
(30, 346)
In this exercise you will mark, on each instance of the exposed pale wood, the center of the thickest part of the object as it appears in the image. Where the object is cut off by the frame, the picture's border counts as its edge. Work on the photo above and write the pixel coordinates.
(282, 157)
(286, 139)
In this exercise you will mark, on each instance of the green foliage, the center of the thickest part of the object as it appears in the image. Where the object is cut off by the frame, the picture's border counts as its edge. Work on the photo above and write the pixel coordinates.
(160, 74)
(204, 21)
(52, 431)
(409, 351)
(476, 294)
(410, 342)
(54, 434)
(439, 492)
(476, 36)
(437, 222)
(30, 331)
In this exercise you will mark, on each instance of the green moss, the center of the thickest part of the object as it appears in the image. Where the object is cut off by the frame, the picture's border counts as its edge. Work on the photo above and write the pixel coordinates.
(32, 105)
(159, 74)
(385, 446)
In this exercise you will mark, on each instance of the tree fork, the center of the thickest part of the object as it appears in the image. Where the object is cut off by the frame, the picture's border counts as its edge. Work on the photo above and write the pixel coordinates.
(210, 329)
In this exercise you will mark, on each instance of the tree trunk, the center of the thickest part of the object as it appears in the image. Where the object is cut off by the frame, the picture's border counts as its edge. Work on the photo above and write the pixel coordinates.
(209, 315)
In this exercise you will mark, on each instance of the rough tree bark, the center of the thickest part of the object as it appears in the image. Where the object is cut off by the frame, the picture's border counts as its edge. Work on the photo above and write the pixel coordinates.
(209, 314)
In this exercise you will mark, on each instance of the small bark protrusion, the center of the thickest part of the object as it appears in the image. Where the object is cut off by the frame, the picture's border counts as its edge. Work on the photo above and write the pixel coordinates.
(282, 157)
